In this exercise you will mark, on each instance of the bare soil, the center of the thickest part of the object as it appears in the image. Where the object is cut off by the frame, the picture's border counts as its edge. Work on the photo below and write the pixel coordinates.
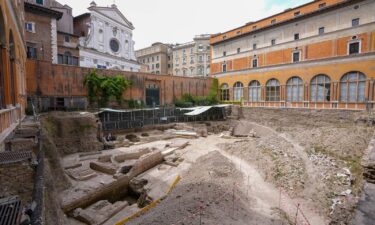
(205, 196)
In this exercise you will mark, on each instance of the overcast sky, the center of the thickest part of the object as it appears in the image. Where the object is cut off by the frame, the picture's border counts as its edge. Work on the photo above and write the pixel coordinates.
(178, 21)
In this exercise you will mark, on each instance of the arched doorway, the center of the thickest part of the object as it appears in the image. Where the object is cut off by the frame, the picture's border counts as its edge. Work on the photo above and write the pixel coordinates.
(238, 91)
(273, 90)
(353, 87)
(2, 60)
(12, 69)
(294, 89)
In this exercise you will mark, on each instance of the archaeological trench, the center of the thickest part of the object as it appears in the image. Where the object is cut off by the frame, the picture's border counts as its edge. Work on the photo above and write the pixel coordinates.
(235, 166)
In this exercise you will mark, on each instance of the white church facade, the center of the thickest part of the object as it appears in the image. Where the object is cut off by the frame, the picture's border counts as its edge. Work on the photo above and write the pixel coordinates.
(106, 39)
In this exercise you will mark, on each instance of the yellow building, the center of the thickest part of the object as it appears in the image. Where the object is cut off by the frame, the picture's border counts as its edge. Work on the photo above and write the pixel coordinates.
(12, 66)
(318, 55)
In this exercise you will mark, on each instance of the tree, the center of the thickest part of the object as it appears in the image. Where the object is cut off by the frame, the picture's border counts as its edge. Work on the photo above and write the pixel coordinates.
(101, 89)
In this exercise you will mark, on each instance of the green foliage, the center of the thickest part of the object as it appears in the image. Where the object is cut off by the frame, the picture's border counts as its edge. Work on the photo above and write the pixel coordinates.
(188, 100)
(100, 89)
(135, 104)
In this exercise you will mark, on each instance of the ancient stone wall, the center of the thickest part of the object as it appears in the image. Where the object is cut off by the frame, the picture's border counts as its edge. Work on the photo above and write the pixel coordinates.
(73, 132)
(17, 179)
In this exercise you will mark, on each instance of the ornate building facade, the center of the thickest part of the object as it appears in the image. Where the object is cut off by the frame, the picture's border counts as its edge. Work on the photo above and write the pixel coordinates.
(106, 39)
(318, 55)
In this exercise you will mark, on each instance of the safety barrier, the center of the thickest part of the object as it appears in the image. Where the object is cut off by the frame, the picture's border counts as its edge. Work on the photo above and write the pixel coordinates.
(292, 210)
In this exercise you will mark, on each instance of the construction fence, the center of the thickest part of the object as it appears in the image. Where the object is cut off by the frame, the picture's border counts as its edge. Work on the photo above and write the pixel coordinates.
(129, 119)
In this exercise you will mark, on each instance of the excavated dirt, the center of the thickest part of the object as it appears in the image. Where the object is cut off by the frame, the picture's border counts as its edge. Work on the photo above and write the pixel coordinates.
(205, 196)
(313, 155)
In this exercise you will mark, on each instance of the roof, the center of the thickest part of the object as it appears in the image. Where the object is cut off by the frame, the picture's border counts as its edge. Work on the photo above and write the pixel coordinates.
(112, 8)
(38, 9)
(246, 29)
(82, 16)
(62, 32)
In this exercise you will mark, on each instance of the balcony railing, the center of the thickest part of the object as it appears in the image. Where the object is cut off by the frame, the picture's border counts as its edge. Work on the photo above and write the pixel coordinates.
(8, 118)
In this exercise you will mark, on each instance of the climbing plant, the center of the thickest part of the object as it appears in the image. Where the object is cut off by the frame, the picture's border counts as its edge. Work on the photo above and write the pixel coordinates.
(100, 89)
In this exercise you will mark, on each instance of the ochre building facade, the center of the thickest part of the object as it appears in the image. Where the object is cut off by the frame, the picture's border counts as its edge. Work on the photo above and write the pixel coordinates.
(318, 55)
(12, 66)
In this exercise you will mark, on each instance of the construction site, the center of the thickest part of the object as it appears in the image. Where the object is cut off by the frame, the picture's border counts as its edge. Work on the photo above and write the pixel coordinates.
(208, 165)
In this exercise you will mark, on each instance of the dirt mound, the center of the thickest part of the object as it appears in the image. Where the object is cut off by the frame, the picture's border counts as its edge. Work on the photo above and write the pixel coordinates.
(205, 195)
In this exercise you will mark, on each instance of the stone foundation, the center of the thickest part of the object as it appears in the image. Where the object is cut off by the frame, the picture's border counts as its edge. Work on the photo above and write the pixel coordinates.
(17, 179)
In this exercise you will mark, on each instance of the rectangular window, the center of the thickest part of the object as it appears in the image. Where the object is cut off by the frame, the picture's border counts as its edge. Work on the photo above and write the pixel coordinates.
(224, 53)
(40, 2)
(67, 38)
(255, 63)
(354, 48)
(322, 5)
(224, 68)
(321, 30)
(157, 66)
(60, 59)
(273, 21)
(355, 22)
(297, 13)
(273, 42)
(200, 58)
(31, 52)
(30, 27)
(296, 56)
(296, 36)
(238, 50)
(157, 58)
(254, 46)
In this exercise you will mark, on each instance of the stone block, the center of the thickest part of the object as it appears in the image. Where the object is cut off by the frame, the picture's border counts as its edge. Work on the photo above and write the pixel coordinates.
(103, 167)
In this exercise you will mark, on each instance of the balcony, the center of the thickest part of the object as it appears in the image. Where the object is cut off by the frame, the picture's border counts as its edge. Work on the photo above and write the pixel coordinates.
(8, 121)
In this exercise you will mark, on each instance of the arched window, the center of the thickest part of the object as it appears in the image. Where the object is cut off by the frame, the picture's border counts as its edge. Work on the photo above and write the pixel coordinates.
(2, 58)
(224, 96)
(353, 87)
(254, 91)
(238, 91)
(273, 90)
(294, 90)
(101, 35)
(320, 89)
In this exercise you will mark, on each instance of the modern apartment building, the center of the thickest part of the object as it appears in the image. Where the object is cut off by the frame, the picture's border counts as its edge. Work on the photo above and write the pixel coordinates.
(12, 66)
(193, 58)
(156, 58)
(318, 55)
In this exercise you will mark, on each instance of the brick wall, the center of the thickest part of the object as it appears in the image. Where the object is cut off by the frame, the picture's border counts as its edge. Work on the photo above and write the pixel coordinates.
(41, 39)
(47, 80)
